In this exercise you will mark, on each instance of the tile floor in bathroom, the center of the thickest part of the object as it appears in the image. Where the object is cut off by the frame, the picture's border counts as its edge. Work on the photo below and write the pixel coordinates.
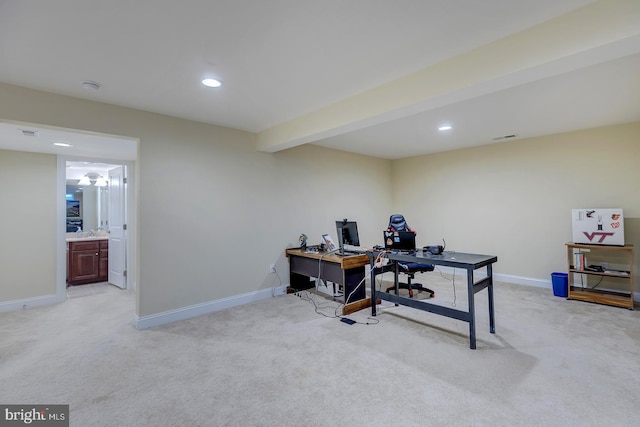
(78, 291)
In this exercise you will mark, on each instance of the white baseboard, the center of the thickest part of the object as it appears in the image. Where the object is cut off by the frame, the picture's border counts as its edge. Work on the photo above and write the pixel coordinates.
(538, 283)
(519, 280)
(509, 278)
(25, 303)
(183, 313)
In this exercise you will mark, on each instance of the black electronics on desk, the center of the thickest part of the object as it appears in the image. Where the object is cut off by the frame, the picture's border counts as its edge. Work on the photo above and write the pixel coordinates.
(399, 240)
(347, 235)
(434, 250)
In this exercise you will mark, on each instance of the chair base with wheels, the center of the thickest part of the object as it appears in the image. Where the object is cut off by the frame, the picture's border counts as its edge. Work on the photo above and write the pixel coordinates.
(410, 269)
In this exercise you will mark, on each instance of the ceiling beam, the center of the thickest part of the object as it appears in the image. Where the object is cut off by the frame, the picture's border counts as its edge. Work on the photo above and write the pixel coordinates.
(596, 33)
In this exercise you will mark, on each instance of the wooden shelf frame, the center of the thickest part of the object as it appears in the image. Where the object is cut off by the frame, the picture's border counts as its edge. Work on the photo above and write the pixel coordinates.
(622, 299)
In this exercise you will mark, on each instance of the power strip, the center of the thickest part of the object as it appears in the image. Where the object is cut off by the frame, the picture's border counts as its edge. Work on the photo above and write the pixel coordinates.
(381, 262)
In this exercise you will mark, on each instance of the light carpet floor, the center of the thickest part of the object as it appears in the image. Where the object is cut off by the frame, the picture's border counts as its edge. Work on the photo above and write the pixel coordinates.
(277, 362)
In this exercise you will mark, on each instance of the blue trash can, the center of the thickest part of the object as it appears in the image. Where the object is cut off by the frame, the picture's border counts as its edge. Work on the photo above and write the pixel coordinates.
(560, 282)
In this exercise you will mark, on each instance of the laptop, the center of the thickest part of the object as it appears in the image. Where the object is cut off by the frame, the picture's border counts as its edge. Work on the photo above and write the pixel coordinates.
(399, 240)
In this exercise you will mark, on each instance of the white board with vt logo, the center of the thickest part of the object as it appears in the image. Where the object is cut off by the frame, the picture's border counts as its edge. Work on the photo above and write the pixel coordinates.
(598, 226)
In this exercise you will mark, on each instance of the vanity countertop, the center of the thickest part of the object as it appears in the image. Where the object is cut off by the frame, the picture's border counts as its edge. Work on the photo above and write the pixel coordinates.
(87, 238)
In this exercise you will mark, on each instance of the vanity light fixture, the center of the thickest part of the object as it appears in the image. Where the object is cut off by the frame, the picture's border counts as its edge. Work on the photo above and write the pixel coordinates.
(92, 178)
(212, 83)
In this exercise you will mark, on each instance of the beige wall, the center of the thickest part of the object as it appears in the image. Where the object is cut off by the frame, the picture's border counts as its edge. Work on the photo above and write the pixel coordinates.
(27, 225)
(213, 212)
(514, 199)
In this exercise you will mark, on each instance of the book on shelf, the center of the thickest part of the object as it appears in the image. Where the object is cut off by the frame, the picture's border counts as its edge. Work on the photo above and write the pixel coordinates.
(617, 272)
(579, 261)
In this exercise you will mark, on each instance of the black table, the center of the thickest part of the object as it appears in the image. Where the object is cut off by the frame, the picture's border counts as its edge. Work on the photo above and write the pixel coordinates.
(469, 262)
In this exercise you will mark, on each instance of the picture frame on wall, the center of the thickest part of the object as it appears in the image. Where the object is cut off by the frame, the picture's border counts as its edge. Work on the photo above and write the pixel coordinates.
(73, 208)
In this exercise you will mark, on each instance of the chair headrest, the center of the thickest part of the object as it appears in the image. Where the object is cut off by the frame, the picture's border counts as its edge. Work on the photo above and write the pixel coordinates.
(398, 223)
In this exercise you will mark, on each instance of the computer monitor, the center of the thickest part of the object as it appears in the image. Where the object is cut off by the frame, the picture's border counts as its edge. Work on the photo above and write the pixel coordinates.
(347, 234)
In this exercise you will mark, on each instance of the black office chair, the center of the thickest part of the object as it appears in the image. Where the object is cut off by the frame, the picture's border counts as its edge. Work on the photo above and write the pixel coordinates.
(398, 223)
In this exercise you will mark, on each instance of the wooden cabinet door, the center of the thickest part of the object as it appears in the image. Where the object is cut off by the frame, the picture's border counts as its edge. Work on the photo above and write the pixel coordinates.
(104, 265)
(84, 265)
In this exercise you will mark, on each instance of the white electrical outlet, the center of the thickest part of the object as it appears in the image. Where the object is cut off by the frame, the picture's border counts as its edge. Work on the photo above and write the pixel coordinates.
(272, 268)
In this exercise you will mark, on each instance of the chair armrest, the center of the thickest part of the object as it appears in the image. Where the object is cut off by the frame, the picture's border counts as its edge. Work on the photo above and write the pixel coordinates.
(416, 267)
(385, 269)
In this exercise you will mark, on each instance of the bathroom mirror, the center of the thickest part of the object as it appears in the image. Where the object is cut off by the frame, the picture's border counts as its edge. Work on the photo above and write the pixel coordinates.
(93, 212)
(87, 203)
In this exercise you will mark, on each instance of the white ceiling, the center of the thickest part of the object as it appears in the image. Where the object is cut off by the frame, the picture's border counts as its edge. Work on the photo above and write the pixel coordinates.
(282, 59)
(40, 139)
(600, 95)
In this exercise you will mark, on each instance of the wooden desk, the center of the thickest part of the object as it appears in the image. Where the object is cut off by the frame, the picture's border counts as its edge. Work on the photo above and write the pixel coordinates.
(348, 271)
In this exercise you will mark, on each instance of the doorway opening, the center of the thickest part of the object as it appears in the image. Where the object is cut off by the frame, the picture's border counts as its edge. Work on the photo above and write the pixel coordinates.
(96, 226)
(99, 150)
(106, 217)
(74, 145)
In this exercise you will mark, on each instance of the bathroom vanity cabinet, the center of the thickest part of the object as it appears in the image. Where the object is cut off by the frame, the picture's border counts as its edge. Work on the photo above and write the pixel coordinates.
(87, 261)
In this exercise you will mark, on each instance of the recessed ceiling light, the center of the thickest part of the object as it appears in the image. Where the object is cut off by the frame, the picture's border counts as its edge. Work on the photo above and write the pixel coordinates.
(212, 83)
(62, 144)
(443, 128)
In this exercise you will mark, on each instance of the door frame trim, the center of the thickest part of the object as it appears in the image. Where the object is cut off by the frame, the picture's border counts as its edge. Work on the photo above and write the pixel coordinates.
(130, 217)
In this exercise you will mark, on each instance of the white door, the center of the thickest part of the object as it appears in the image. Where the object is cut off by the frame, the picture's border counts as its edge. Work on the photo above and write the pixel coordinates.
(117, 228)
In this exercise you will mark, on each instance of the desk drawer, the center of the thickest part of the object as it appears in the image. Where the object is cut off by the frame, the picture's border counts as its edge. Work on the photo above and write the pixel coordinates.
(84, 246)
(311, 267)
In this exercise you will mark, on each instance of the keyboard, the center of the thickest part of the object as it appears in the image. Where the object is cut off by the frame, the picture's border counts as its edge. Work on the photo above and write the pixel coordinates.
(352, 250)
(404, 252)
(351, 253)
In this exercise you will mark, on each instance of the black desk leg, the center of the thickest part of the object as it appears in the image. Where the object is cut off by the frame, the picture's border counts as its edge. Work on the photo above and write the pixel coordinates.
(373, 287)
(396, 281)
(472, 311)
(492, 321)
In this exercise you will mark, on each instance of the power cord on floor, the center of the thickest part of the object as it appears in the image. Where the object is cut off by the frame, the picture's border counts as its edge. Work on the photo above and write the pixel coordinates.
(273, 289)
(453, 283)
(346, 301)
(309, 297)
